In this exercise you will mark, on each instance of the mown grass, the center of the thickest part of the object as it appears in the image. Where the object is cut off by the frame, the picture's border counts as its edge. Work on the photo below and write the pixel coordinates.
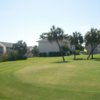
(51, 79)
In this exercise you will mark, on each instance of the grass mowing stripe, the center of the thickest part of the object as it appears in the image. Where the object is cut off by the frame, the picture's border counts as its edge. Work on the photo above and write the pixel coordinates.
(47, 78)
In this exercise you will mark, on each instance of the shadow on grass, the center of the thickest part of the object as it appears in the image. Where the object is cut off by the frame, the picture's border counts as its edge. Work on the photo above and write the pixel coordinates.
(96, 59)
(80, 59)
(60, 62)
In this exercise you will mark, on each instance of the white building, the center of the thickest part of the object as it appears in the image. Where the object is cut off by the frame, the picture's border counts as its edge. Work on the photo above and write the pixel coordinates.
(5, 47)
(46, 46)
(96, 51)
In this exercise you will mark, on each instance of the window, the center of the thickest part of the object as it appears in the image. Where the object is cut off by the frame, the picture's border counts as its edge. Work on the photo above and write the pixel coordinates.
(1, 50)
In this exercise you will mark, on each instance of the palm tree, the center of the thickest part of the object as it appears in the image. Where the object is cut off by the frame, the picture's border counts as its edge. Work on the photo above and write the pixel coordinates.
(92, 38)
(57, 35)
(76, 40)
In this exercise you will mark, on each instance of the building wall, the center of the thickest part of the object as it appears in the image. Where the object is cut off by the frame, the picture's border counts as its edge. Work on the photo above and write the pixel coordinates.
(2, 49)
(96, 51)
(47, 46)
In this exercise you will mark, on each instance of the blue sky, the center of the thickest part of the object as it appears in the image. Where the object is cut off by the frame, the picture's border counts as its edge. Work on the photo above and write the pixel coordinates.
(27, 19)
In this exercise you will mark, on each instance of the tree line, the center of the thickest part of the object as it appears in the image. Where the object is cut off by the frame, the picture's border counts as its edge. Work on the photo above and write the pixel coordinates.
(91, 38)
(17, 52)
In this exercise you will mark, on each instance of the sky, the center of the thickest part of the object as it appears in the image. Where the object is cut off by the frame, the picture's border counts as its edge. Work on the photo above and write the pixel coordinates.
(27, 19)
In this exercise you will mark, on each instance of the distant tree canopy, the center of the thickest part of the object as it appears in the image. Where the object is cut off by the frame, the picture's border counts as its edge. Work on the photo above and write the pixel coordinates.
(17, 52)
(35, 51)
(76, 40)
(92, 38)
(21, 49)
(57, 35)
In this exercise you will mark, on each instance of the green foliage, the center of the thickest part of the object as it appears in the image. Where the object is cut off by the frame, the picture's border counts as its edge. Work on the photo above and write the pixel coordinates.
(92, 38)
(51, 54)
(79, 47)
(18, 51)
(4, 58)
(44, 54)
(12, 55)
(21, 48)
(76, 39)
(77, 52)
(55, 34)
(55, 54)
(65, 48)
(35, 51)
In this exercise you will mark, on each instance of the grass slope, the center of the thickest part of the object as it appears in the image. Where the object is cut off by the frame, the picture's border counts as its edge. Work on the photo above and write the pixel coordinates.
(50, 79)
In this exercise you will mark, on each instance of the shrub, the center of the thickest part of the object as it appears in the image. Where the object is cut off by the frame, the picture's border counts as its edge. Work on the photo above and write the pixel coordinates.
(52, 54)
(58, 53)
(4, 58)
(23, 57)
(13, 55)
(35, 51)
(44, 54)
(21, 48)
(55, 54)
(77, 52)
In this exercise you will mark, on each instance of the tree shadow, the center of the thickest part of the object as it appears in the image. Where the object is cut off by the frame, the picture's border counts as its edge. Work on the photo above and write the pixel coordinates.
(96, 59)
(80, 59)
(60, 62)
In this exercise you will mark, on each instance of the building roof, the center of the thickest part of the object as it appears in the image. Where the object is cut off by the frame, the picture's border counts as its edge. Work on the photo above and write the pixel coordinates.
(42, 40)
(46, 40)
(7, 44)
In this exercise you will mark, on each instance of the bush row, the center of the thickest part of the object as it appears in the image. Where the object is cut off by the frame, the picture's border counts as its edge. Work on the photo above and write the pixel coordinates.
(12, 56)
(51, 54)
(56, 54)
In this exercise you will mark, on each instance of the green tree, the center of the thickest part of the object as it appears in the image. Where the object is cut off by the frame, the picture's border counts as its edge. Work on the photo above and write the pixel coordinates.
(76, 40)
(92, 38)
(57, 35)
(35, 51)
(21, 48)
